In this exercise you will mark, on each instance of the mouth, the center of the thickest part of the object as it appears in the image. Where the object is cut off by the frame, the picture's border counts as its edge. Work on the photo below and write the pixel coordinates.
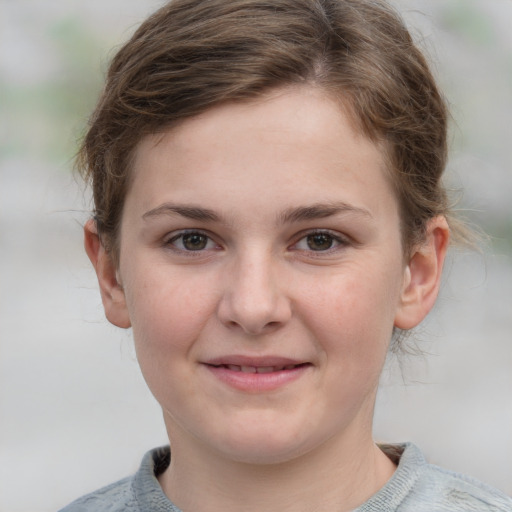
(256, 375)
(259, 369)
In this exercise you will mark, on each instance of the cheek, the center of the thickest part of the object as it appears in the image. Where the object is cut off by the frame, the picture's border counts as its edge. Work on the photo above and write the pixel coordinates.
(168, 317)
(353, 314)
(167, 310)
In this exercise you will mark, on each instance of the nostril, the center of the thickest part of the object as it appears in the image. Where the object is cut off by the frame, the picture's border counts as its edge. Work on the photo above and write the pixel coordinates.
(254, 312)
(253, 328)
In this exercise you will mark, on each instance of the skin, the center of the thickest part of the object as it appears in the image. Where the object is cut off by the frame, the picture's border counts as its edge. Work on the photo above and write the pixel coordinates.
(255, 235)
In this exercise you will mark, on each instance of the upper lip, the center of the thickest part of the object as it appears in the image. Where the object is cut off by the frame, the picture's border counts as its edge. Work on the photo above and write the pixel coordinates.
(254, 361)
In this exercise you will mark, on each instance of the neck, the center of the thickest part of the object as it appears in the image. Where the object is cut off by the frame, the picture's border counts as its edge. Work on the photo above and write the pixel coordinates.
(346, 472)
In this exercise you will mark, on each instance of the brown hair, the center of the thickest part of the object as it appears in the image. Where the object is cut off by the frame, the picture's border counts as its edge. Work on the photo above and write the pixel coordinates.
(192, 55)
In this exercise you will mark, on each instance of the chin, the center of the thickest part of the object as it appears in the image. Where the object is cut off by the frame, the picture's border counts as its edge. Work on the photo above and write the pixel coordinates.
(265, 446)
(265, 454)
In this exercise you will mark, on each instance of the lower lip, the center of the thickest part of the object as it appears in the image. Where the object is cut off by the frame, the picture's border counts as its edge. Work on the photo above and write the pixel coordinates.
(257, 382)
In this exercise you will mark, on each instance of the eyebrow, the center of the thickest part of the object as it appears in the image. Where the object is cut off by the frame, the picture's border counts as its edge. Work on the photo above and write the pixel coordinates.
(189, 212)
(298, 214)
(321, 211)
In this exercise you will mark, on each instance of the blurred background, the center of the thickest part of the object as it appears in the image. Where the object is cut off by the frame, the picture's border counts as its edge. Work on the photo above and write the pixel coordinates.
(75, 413)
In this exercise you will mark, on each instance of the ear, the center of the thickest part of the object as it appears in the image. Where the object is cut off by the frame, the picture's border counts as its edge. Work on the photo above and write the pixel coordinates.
(422, 276)
(112, 293)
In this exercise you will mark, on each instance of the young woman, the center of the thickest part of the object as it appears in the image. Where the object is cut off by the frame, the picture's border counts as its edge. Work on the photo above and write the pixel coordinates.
(269, 216)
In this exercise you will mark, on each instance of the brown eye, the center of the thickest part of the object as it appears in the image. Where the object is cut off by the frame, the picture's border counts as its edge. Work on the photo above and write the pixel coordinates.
(191, 241)
(320, 241)
(194, 241)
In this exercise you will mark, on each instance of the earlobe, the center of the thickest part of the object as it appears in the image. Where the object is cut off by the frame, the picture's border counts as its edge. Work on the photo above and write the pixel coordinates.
(112, 293)
(422, 276)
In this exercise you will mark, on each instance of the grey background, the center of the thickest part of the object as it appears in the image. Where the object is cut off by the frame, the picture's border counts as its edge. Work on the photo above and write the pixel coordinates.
(74, 411)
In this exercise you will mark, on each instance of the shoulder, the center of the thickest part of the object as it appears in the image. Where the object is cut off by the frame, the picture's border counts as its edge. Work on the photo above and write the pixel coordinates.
(418, 486)
(114, 497)
(138, 493)
(456, 492)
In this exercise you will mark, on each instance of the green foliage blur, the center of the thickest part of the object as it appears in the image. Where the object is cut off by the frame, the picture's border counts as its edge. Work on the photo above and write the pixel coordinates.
(45, 118)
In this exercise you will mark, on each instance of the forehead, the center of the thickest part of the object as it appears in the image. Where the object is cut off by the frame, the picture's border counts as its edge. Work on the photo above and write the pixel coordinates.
(297, 143)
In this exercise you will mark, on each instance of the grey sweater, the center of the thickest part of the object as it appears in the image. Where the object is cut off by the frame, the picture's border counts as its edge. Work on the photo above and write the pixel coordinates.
(416, 486)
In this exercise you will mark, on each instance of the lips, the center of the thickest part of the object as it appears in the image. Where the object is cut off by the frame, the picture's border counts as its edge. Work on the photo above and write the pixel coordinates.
(255, 364)
(258, 369)
(260, 374)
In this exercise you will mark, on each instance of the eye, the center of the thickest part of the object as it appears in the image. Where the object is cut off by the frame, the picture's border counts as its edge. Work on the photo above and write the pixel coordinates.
(191, 241)
(319, 241)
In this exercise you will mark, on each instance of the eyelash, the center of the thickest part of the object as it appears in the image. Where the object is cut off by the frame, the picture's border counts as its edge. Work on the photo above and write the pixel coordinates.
(171, 242)
(337, 242)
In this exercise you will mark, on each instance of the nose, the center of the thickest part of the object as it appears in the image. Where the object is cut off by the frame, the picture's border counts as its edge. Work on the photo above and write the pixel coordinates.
(254, 299)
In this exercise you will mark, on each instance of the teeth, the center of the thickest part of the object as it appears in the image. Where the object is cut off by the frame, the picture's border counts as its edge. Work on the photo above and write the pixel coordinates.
(266, 369)
(248, 369)
(234, 367)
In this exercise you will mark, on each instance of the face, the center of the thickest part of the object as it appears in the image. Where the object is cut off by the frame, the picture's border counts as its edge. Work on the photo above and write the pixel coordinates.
(262, 272)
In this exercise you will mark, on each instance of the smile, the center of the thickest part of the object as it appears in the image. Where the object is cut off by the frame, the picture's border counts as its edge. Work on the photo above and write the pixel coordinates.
(258, 369)
(257, 377)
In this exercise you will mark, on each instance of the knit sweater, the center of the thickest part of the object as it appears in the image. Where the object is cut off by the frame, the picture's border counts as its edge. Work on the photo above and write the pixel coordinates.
(416, 486)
